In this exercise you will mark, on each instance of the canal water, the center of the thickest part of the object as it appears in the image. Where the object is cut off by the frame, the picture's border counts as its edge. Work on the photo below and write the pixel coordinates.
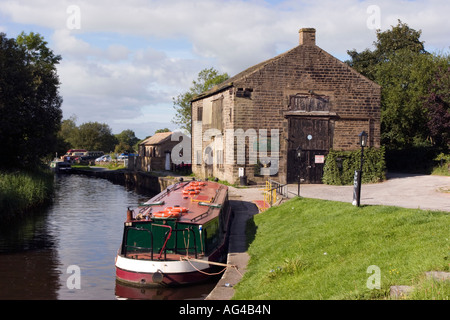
(67, 251)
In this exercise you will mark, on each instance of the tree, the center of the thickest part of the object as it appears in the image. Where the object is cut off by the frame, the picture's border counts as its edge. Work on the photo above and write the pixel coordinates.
(95, 136)
(162, 130)
(30, 104)
(126, 141)
(388, 43)
(400, 64)
(207, 78)
(69, 131)
(405, 79)
(437, 103)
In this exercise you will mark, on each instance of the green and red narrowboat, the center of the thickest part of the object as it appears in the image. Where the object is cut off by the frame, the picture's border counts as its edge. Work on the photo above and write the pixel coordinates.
(178, 237)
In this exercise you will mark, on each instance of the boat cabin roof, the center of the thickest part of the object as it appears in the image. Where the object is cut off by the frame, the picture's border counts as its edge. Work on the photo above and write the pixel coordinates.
(198, 201)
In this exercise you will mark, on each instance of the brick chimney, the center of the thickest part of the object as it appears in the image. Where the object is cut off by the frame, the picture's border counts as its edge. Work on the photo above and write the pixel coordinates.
(307, 36)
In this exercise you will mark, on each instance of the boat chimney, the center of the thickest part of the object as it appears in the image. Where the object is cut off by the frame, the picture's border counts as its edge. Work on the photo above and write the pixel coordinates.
(129, 215)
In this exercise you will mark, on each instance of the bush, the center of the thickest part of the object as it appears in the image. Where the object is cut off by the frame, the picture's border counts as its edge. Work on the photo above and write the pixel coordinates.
(443, 165)
(340, 166)
(21, 191)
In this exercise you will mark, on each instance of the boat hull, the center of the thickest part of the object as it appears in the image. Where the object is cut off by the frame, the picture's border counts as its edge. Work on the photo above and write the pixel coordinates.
(160, 279)
(151, 273)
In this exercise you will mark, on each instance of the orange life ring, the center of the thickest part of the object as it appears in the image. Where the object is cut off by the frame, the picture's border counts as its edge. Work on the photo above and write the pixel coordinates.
(166, 214)
(191, 191)
(176, 209)
(195, 184)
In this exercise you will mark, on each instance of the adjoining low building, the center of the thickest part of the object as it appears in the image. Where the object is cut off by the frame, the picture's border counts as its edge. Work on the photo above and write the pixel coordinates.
(253, 123)
(155, 153)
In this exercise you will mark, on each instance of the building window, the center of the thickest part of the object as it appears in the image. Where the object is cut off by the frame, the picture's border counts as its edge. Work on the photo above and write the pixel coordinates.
(217, 117)
(200, 114)
(207, 112)
(244, 93)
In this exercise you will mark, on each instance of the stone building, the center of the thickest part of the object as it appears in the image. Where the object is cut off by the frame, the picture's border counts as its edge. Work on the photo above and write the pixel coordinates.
(253, 123)
(155, 152)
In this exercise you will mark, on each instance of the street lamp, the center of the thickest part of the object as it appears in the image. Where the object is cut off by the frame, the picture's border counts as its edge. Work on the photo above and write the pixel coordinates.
(299, 157)
(363, 139)
(358, 175)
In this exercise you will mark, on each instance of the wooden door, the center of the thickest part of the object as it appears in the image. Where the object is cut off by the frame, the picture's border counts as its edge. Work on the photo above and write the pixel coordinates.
(313, 136)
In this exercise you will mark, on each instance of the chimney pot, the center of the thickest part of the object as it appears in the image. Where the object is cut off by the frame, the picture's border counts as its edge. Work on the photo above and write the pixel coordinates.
(307, 36)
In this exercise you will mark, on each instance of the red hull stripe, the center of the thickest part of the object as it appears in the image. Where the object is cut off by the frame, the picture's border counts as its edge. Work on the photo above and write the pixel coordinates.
(169, 279)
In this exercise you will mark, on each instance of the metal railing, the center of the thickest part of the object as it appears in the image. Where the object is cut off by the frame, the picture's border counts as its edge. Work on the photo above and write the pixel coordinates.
(126, 246)
(281, 189)
(272, 189)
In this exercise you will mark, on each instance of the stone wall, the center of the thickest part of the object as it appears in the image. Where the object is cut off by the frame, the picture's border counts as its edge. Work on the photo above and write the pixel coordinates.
(140, 181)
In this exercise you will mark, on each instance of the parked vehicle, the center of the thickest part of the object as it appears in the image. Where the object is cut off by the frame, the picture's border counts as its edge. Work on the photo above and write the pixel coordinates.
(92, 155)
(125, 155)
(73, 154)
(105, 158)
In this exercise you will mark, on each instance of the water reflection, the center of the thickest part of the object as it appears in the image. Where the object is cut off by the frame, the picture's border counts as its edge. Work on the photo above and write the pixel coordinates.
(28, 259)
(192, 292)
(82, 227)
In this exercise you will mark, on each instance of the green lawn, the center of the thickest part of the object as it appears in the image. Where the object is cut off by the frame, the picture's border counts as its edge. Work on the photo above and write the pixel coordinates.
(317, 249)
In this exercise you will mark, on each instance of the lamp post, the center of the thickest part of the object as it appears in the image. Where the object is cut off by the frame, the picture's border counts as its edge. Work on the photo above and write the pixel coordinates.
(299, 157)
(363, 143)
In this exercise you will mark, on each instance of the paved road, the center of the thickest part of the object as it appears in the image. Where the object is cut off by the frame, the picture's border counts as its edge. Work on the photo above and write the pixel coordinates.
(402, 190)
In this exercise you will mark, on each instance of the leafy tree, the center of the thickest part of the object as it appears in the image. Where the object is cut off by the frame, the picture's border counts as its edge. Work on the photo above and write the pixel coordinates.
(207, 78)
(95, 136)
(400, 64)
(69, 131)
(162, 130)
(122, 147)
(388, 43)
(404, 78)
(437, 102)
(126, 141)
(30, 104)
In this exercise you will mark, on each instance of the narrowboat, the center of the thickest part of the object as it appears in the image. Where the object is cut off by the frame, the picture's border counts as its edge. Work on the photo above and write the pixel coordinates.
(178, 237)
(60, 166)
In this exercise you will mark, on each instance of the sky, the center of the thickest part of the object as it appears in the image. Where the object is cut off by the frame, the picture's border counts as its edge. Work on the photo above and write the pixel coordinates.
(124, 61)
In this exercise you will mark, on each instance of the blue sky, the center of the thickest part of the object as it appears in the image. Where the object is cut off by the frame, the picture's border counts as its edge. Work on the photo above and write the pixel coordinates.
(124, 61)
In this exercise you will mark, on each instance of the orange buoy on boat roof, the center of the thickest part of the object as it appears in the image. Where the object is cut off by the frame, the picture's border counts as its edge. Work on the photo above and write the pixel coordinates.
(196, 184)
(170, 212)
(165, 214)
(191, 191)
(176, 209)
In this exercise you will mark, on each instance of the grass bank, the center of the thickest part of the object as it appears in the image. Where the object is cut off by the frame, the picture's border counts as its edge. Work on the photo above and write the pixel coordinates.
(23, 190)
(318, 249)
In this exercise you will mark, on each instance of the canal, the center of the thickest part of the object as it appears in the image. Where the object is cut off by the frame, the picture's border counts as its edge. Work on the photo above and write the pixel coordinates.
(67, 251)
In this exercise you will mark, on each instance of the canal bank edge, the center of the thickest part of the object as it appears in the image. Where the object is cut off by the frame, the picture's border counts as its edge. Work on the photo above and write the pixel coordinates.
(137, 180)
(243, 209)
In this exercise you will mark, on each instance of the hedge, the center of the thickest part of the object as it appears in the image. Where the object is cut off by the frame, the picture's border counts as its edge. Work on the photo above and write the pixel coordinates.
(340, 166)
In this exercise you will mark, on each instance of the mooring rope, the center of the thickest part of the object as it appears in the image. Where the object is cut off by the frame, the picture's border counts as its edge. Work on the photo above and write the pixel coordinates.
(210, 262)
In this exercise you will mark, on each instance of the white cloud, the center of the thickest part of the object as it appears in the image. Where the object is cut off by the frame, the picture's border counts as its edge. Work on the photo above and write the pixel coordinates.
(129, 58)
